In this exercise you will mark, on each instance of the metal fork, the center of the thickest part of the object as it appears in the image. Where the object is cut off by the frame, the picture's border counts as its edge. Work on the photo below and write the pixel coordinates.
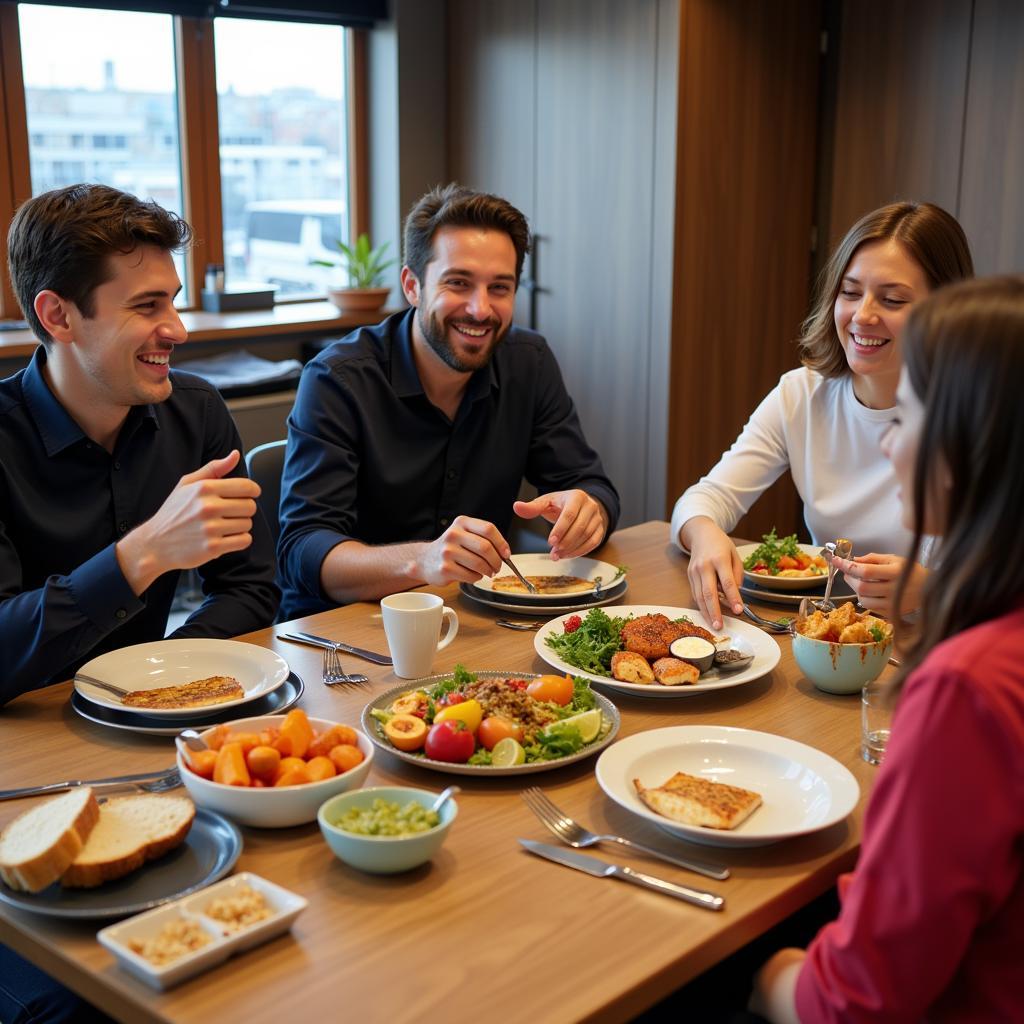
(334, 674)
(572, 833)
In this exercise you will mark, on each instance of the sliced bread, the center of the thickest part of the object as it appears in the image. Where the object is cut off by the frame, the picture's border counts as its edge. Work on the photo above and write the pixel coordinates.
(131, 830)
(38, 846)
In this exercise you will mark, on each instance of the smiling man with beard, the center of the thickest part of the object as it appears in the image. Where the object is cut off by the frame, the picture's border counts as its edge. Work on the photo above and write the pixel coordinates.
(409, 440)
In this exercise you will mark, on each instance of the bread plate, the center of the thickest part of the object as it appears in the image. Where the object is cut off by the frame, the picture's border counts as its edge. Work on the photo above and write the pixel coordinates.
(173, 662)
(590, 570)
(209, 852)
(802, 789)
(787, 583)
(746, 638)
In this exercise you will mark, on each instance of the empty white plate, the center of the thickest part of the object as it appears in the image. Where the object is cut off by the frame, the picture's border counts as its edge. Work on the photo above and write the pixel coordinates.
(174, 662)
(802, 789)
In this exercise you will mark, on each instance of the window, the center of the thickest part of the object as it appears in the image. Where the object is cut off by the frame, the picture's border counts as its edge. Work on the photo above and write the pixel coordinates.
(126, 98)
(281, 97)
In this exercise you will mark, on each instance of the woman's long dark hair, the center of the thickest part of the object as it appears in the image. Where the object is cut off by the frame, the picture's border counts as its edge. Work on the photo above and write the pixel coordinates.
(964, 352)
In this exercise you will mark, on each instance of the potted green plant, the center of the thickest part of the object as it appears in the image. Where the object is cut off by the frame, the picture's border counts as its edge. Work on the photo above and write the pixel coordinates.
(365, 268)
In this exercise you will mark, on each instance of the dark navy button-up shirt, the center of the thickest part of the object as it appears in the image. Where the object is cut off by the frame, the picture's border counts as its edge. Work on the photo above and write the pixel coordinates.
(64, 503)
(370, 458)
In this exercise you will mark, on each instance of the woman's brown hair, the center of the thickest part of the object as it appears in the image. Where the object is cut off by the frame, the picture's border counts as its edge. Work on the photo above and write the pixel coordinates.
(932, 238)
(963, 349)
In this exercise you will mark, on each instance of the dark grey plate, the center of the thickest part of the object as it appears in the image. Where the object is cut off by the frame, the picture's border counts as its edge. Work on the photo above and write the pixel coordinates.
(544, 606)
(841, 591)
(273, 703)
(610, 729)
(207, 855)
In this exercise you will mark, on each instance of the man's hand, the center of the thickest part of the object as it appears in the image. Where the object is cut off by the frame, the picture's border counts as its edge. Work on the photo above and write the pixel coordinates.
(466, 551)
(580, 521)
(204, 517)
(714, 563)
(874, 578)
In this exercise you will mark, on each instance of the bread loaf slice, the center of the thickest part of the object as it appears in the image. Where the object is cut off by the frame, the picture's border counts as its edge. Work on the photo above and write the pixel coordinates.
(38, 846)
(130, 831)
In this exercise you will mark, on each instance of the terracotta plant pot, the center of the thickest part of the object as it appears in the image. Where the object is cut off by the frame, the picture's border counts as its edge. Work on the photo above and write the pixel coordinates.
(358, 300)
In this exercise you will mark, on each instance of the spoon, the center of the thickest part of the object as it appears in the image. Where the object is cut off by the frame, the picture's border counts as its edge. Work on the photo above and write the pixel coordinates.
(444, 796)
(188, 740)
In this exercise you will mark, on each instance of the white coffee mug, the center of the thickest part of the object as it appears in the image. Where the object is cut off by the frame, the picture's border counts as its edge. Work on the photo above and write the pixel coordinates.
(412, 624)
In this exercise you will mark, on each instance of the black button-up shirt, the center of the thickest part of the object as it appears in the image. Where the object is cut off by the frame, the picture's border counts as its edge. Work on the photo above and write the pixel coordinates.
(370, 458)
(64, 503)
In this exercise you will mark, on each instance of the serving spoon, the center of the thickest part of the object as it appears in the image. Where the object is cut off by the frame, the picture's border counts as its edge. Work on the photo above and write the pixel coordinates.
(444, 796)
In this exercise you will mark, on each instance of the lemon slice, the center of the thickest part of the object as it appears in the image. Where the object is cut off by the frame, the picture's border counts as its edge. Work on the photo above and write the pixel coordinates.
(588, 722)
(507, 752)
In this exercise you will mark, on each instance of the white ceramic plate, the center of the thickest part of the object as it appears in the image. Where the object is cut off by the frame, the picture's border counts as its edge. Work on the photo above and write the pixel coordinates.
(745, 638)
(542, 565)
(283, 904)
(802, 789)
(569, 603)
(782, 582)
(609, 730)
(173, 662)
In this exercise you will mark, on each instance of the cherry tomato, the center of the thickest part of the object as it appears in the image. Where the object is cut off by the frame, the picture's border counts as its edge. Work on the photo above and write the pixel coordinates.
(552, 688)
(450, 741)
(495, 728)
(450, 699)
(469, 712)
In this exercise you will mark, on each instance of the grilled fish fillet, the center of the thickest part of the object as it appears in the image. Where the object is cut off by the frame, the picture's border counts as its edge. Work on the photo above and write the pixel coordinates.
(544, 584)
(197, 694)
(696, 801)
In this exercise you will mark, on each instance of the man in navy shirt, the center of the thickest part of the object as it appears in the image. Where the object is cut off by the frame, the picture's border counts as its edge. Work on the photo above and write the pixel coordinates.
(408, 441)
(115, 472)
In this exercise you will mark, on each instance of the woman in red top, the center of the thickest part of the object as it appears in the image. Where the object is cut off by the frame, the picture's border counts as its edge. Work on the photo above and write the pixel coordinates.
(932, 919)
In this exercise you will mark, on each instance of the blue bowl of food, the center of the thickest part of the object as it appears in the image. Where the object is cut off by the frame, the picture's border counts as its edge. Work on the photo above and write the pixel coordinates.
(843, 650)
(385, 829)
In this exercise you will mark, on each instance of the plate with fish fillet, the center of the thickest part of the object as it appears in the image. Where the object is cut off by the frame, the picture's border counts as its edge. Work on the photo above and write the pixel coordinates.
(182, 678)
(563, 582)
(724, 786)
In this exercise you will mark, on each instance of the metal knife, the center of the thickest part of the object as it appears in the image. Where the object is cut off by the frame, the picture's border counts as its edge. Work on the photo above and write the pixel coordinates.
(60, 787)
(599, 869)
(319, 641)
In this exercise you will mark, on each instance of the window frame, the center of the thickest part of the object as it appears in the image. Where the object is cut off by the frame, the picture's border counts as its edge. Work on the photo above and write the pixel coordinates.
(199, 139)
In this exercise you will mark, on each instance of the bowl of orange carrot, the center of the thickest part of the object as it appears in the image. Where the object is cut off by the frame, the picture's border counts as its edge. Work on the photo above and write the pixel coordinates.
(275, 771)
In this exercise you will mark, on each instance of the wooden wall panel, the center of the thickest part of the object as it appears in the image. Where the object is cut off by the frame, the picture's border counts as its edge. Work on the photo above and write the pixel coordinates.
(992, 186)
(900, 108)
(744, 209)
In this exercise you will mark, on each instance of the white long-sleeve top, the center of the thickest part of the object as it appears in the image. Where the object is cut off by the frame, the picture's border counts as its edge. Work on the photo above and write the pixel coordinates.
(816, 427)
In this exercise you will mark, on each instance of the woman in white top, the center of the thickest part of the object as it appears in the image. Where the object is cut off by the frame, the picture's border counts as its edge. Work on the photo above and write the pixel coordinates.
(824, 422)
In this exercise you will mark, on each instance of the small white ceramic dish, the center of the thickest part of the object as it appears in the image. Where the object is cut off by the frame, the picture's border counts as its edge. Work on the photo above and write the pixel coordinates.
(175, 662)
(283, 904)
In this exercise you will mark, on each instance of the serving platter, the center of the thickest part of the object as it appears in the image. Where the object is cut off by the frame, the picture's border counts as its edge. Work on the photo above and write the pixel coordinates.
(609, 730)
(745, 638)
(275, 702)
(802, 789)
(209, 852)
(162, 663)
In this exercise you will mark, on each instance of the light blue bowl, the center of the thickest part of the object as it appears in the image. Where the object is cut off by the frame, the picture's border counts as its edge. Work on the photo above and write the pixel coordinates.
(840, 668)
(384, 855)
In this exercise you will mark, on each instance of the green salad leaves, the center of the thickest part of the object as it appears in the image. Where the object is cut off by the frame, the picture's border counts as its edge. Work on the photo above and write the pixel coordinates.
(591, 646)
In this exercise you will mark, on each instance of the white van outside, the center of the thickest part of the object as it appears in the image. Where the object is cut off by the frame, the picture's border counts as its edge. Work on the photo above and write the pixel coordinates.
(284, 236)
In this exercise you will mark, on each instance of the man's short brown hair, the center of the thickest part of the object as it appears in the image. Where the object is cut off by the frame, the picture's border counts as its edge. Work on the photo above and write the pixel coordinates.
(59, 241)
(456, 206)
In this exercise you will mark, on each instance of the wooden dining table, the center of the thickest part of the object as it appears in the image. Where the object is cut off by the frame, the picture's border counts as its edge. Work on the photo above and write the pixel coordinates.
(484, 931)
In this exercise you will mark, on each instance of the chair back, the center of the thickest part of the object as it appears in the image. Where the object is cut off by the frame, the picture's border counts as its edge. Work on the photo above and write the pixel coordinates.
(265, 464)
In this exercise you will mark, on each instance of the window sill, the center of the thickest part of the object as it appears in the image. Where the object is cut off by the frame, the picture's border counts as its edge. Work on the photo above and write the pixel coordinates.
(320, 317)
